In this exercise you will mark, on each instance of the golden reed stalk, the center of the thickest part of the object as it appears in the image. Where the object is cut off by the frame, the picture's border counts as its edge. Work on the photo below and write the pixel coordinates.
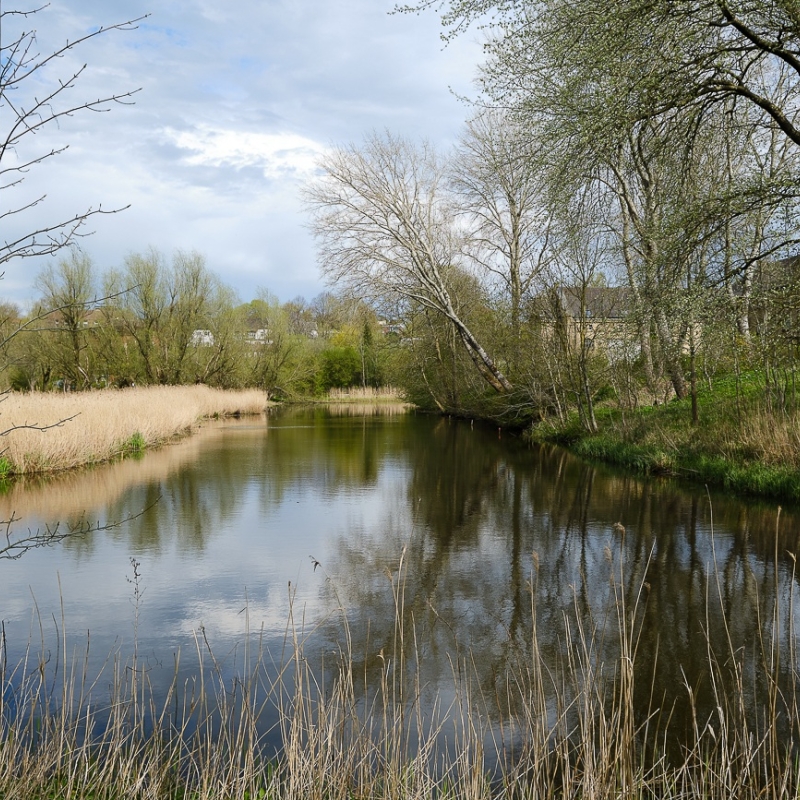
(48, 432)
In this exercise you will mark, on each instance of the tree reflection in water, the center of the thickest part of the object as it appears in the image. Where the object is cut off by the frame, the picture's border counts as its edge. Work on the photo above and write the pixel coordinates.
(501, 533)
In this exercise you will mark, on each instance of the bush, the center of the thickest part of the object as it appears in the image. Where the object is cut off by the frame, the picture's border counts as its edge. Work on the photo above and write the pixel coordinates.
(341, 367)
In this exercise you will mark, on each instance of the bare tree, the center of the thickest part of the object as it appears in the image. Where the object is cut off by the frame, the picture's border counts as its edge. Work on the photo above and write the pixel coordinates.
(384, 229)
(35, 98)
(25, 114)
(494, 176)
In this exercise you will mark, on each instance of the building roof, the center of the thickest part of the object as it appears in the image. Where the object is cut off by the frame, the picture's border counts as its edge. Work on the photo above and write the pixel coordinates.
(598, 302)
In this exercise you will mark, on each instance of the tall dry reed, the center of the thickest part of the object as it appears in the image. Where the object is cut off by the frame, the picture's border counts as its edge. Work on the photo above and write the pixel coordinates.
(67, 494)
(366, 408)
(572, 728)
(768, 436)
(372, 394)
(47, 432)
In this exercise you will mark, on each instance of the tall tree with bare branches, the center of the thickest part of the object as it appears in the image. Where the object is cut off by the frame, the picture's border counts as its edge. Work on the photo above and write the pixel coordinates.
(384, 230)
(494, 176)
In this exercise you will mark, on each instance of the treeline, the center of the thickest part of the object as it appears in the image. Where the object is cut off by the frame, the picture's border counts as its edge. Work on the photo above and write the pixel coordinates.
(619, 220)
(167, 322)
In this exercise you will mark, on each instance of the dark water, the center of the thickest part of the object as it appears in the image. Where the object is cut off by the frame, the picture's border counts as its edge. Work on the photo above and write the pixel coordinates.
(331, 515)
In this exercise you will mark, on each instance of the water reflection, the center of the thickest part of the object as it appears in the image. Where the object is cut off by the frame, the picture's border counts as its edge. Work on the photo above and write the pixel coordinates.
(494, 538)
(69, 494)
(501, 534)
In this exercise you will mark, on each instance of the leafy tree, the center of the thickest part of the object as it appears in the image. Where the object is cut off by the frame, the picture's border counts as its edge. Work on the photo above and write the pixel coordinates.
(634, 60)
(341, 367)
(281, 361)
(159, 310)
(67, 298)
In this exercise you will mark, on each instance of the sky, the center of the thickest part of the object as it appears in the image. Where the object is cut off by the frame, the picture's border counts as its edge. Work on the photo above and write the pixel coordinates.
(237, 102)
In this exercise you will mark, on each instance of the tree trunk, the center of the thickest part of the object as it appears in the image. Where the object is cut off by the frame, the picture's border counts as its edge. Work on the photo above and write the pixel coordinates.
(486, 366)
(671, 357)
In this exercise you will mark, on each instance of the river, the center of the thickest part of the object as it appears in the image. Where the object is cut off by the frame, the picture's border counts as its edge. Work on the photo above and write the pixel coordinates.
(328, 525)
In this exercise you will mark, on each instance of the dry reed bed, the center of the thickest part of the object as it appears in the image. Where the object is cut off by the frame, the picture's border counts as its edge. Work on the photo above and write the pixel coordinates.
(66, 495)
(369, 394)
(757, 434)
(48, 432)
(365, 408)
(768, 437)
(575, 728)
(761, 435)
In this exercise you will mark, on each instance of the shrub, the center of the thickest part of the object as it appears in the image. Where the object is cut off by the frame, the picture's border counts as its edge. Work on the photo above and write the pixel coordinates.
(134, 444)
(341, 367)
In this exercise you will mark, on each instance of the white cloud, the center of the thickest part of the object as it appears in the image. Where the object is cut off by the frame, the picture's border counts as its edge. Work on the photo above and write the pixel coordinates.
(236, 102)
(276, 154)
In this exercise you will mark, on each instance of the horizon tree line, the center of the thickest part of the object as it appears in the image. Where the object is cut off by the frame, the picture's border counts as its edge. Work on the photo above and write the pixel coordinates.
(158, 321)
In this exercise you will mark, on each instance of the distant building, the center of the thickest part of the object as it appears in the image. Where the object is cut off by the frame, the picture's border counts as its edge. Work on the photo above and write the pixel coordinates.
(90, 319)
(774, 309)
(595, 302)
(258, 336)
(599, 316)
(202, 338)
(397, 328)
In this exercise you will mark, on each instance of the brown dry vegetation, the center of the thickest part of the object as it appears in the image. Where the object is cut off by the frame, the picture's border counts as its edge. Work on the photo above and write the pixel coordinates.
(365, 408)
(768, 437)
(66, 495)
(757, 435)
(747, 438)
(49, 432)
(370, 394)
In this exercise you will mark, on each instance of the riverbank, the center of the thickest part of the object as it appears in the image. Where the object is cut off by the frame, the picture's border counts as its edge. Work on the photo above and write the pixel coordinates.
(50, 432)
(744, 441)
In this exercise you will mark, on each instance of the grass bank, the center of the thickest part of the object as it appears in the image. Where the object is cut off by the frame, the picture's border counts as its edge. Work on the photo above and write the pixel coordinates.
(746, 440)
(49, 432)
(571, 727)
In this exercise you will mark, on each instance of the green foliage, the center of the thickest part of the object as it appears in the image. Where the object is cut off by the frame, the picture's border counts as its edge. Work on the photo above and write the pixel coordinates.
(6, 468)
(135, 444)
(341, 368)
(19, 379)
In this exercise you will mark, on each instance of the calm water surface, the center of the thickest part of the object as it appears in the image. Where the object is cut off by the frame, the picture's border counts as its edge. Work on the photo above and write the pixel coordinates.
(314, 511)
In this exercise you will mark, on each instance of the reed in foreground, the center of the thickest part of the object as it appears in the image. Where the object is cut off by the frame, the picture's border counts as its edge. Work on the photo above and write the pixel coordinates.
(571, 728)
(47, 432)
